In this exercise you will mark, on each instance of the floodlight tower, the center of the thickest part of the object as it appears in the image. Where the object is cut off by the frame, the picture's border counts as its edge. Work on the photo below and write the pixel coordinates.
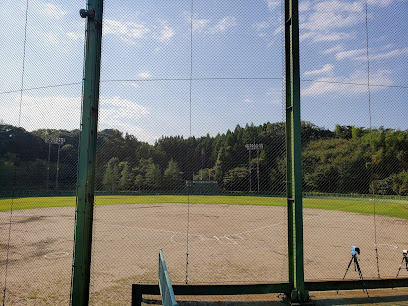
(250, 147)
(60, 141)
(48, 140)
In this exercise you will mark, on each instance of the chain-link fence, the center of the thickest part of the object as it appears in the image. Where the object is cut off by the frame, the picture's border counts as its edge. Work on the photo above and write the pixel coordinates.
(191, 152)
(353, 89)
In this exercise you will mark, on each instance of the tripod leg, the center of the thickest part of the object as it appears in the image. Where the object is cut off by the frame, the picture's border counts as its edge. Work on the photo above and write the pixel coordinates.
(401, 266)
(406, 263)
(361, 276)
(348, 267)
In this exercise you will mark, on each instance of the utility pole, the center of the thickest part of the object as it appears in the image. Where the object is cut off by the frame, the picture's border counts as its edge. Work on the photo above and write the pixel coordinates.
(87, 154)
(297, 293)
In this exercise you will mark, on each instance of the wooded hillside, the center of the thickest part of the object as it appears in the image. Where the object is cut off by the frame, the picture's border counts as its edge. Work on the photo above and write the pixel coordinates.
(345, 160)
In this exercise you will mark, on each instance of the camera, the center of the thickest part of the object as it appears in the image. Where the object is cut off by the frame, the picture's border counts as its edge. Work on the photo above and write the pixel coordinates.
(405, 253)
(355, 250)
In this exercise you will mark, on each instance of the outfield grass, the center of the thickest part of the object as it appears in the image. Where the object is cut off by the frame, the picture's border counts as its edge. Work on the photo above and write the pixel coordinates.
(390, 209)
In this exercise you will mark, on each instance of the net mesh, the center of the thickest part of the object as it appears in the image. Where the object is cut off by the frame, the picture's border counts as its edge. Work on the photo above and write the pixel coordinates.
(191, 143)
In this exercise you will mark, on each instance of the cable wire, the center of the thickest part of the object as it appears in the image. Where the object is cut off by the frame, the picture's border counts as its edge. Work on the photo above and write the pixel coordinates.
(15, 167)
(371, 137)
(190, 131)
(283, 97)
(202, 79)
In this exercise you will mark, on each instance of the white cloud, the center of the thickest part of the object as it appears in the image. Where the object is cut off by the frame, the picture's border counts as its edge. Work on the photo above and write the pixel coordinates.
(120, 113)
(381, 3)
(200, 24)
(224, 24)
(64, 112)
(304, 6)
(330, 20)
(322, 36)
(127, 29)
(261, 25)
(333, 49)
(119, 109)
(132, 32)
(144, 75)
(75, 36)
(361, 54)
(334, 15)
(52, 112)
(327, 68)
(247, 100)
(166, 33)
(350, 54)
(389, 54)
(272, 4)
(51, 10)
(51, 38)
(206, 26)
(279, 29)
(355, 84)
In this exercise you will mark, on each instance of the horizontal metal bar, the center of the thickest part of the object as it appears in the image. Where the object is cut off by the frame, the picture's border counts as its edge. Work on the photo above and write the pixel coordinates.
(227, 289)
(242, 289)
(371, 283)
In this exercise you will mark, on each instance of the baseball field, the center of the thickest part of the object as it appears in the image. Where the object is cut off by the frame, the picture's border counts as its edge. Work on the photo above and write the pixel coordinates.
(228, 239)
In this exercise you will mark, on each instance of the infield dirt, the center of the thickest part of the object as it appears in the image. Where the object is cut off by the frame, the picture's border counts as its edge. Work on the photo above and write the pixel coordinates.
(226, 243)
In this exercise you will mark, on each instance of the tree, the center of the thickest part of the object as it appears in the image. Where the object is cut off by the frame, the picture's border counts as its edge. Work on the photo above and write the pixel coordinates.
(153, 176)
(126, 179)
(111, 177)
(236, 179)
(400, 183)
(139, 181)
(172, 176)
(205, 175)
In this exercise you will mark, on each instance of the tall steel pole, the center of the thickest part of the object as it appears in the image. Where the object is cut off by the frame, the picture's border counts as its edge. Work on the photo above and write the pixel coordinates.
(87, 153)
(293, 154)
(48, 165)
(250, 171)
(60, 142)
(257, 166)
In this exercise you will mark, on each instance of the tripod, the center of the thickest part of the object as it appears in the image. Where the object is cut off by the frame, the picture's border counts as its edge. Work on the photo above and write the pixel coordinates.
(404, 258)
(354, 259)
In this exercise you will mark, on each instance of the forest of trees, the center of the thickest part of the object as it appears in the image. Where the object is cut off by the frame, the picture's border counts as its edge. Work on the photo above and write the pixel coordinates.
(347, 160)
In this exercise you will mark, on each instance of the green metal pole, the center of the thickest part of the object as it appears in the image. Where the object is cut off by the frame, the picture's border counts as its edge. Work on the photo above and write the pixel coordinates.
(293, 154)
(87, 153)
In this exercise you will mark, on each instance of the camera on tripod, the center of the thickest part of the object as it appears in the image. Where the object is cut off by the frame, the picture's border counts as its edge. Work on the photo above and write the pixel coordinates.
(404, 258)
(355, 250)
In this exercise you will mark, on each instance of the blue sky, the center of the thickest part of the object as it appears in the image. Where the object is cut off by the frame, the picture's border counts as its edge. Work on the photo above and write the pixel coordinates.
(144, 41)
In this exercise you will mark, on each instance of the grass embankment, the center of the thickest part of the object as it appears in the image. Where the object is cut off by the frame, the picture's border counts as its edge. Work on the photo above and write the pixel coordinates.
(363, 206)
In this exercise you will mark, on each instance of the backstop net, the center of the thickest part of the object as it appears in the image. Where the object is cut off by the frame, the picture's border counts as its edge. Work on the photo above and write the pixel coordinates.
(191, 152)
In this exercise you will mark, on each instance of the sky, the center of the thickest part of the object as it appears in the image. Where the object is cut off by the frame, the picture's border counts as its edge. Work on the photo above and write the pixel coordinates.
(233, 49)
